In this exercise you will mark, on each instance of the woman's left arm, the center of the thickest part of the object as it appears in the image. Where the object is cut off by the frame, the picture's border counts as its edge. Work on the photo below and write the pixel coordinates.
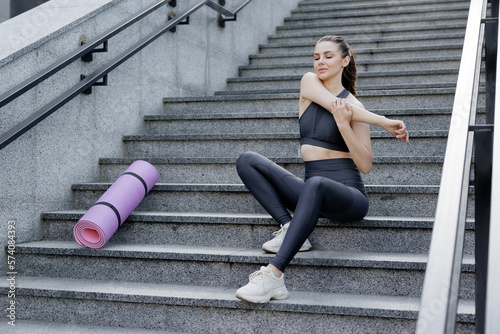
(312, 89)
(356, 135)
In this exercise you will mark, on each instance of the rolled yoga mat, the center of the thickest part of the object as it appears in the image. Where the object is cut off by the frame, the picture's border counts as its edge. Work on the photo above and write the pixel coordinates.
(102, 220)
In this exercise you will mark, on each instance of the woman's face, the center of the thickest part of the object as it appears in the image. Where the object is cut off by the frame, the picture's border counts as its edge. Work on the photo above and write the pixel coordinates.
(328, 60)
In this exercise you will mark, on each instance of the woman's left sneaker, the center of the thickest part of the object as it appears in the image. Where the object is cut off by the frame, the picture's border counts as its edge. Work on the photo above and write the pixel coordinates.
(263, 287)
(273, 245)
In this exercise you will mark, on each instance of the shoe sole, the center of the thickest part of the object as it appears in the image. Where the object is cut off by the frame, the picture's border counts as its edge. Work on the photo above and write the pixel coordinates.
(274, 251)
(280, 294)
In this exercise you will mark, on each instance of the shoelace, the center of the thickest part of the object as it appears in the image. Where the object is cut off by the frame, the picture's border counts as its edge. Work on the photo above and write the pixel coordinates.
(258, 276)
(281, 231)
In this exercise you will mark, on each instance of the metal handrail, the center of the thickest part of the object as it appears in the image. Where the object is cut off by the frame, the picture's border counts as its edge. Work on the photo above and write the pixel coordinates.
(91, 80)
(58, 65)
(492, 320)
(438, 306)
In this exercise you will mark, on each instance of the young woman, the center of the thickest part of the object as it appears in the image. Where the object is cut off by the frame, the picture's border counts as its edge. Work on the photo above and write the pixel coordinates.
(335, 146)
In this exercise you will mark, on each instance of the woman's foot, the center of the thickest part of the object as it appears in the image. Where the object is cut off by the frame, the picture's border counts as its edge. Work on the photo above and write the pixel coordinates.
(273, 246)
(263, 286)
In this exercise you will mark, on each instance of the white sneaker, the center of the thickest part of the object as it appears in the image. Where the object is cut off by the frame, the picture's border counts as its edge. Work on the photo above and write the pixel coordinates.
(273, 245)
(263, 287)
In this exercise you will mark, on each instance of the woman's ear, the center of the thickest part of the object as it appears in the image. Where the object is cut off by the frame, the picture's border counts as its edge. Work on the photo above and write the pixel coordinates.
(346, 61)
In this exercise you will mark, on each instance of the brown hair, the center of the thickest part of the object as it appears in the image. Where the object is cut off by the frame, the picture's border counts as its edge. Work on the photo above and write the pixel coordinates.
(349, 72)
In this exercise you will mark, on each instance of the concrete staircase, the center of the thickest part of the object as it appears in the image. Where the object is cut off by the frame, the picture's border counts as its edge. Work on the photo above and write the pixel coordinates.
(175, 265)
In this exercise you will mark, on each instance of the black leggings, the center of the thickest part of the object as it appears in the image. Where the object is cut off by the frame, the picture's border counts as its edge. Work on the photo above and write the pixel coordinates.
(331, 188)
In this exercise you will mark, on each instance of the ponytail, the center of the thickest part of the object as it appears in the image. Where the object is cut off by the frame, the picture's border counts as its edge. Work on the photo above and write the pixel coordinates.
(349, 73)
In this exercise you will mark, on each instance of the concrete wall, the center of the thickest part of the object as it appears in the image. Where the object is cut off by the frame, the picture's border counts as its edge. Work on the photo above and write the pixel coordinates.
(20, 6)
(39, 168)
(4, 10)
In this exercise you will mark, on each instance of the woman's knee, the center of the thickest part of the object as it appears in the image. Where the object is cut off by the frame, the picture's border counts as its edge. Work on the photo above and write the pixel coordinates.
(245, 160)
(315, 182)
(333, 191)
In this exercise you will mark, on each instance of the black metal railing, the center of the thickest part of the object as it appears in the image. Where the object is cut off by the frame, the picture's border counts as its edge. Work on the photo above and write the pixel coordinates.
(492, 303)
(440, 296)
(88, 48)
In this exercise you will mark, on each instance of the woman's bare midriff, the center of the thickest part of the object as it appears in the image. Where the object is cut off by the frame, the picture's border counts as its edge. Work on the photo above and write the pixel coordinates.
(312, 153)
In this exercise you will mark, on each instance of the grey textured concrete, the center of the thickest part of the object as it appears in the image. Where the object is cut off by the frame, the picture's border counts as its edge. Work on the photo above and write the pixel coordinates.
(428, 63)
(4, 10)
(230, 123)
(176, 262)
(370, 6)
(418, 201)
(376, 32)
(336, 271)
(383, 16)
(99, 300)
(386, 234)
(39, 167)
(385, 170)
(369, 81)
(393, 42)
(40, 327)
(416, 98)
(373, 54)
(272, 145)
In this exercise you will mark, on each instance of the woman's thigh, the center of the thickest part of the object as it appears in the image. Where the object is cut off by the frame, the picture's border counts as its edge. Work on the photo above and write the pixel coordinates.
(271, 179)
(342, 202)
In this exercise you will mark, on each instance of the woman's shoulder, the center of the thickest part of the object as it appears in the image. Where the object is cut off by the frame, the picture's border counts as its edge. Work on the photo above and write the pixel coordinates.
(309, 78)
(352, 99)
(310, 75)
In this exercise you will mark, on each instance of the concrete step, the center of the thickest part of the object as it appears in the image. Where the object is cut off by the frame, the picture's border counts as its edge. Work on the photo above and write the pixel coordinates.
(67, 326)
(365, 32)
(291, 86)
(354, 10)
(362, 43)
(199, 309)
(230, 267)
(364, 3)
(176, 262)
(399, 80)
(328, 28)
(380, 16)
(386, 170)
(362, 54)
(283, 122)
(372, 234)
(414, 201)
(403, 98)
(422, 143)
(368, 56)
(307, 6)
(366, 66)
(378, 36)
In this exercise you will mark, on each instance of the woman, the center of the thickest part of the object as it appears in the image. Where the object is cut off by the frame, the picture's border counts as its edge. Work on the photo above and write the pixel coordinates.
(335, 146)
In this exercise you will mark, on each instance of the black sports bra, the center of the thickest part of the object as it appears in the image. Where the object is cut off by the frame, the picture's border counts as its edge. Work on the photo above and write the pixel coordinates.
(318, 127)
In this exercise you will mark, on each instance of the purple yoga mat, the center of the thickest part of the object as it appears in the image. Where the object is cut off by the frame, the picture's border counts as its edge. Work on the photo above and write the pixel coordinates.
(102, 220)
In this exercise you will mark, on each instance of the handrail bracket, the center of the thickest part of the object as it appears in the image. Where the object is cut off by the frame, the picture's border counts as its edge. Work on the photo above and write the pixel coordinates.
(88, 57)
(88, 91)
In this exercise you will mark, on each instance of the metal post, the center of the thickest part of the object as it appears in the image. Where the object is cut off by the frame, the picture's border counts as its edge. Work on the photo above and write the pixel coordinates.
(491, 36)
(483, 141)
(483, 144)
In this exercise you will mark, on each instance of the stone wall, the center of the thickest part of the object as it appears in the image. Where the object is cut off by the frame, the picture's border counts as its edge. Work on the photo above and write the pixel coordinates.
(39, 167)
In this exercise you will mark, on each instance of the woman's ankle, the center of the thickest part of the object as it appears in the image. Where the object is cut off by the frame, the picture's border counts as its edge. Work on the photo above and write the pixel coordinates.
(275, 270)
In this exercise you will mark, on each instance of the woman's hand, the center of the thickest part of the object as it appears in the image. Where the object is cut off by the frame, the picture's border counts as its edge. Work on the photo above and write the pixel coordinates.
(396, 128)
(342, 112)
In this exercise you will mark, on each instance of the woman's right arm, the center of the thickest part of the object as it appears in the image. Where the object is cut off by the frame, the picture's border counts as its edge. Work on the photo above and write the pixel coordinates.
(312, 89)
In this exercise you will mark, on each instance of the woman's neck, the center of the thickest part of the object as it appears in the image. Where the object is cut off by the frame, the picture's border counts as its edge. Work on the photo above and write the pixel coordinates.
(334, 86)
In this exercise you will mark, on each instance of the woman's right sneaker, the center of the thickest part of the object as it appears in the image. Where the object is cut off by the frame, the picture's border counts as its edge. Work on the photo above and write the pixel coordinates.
(273, 246)
(263, 286)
